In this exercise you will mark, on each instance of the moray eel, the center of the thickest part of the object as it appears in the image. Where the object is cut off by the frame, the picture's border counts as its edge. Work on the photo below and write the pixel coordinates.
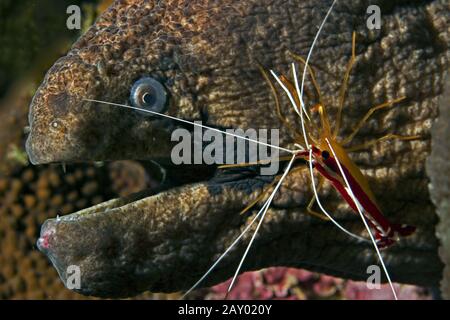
(205, 54)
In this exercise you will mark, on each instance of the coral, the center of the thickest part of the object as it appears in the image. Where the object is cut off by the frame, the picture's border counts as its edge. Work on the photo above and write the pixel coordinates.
(298, 284)
(28, 197)
(359, 291)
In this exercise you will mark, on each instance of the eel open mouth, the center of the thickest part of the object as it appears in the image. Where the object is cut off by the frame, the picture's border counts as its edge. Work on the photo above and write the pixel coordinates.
(110, 232)
(122, 245)
(169, 177)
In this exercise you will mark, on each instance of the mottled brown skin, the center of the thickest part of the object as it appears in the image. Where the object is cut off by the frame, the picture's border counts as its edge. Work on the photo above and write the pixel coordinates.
(206, 54)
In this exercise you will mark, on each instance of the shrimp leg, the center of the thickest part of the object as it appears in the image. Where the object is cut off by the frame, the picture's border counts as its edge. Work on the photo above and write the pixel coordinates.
(249, 164)
(344, 85)
(267, 189)
(384, 138)
(366, 117)
(309, 208)
(280, 115)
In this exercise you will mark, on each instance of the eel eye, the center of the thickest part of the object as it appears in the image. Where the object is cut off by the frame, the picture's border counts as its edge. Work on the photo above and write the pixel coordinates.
(325, 155)
(148, 94)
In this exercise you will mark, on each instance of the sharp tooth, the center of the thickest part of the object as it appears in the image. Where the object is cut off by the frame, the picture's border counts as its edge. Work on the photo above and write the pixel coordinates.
(63, 167)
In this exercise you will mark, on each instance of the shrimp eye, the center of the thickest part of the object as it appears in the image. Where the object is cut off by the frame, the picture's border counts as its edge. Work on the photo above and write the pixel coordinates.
(149, 94)
(325, 155)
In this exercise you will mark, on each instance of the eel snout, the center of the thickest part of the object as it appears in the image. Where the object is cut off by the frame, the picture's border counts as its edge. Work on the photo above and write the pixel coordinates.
(65, 127)
(58, 113)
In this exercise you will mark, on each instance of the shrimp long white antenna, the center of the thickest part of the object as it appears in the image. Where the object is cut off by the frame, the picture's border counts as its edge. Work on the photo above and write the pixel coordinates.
(266, 208)
(316, 195)
(294, 105)
(302, 105)
(349, 190)
(300, 93)
(193, 123)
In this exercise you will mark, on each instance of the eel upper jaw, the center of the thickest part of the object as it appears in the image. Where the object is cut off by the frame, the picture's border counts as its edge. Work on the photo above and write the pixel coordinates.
(92, 132)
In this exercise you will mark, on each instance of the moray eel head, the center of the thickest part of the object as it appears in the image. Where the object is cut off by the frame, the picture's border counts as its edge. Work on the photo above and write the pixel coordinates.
(67, 128)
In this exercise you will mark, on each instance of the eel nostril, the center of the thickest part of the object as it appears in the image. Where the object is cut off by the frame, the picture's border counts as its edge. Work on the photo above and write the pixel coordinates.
(48, 231)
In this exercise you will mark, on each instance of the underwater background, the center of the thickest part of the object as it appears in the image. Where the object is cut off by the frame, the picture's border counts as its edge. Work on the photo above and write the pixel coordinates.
(33, 35)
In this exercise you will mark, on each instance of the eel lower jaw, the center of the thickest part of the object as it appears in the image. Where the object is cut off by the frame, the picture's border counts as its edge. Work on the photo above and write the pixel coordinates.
(119, 245)
(123, 204)
(120, 203)
(108, 205)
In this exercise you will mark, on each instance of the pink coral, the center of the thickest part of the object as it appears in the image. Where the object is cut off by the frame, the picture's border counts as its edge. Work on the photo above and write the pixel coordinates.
(360, 291)
(290, 284)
